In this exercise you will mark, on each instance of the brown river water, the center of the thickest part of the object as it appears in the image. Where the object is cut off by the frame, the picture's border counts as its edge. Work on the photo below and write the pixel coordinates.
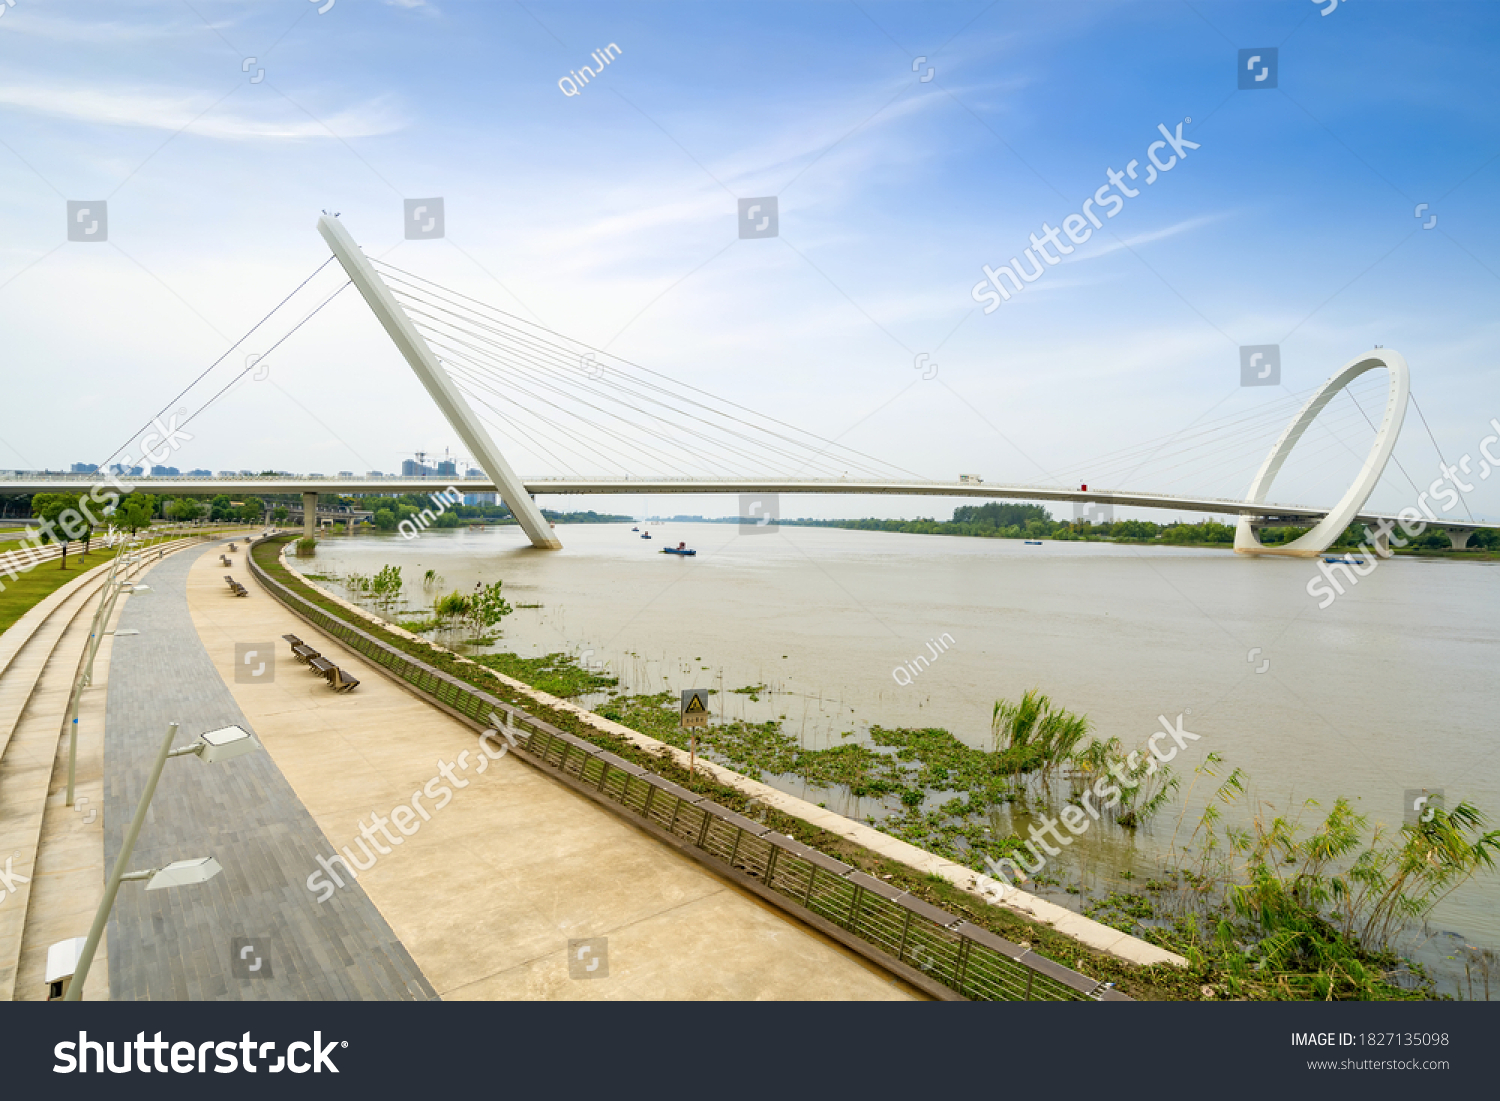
(1388, 689)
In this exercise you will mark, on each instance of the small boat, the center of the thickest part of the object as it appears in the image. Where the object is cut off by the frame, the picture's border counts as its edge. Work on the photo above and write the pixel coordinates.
(1345, 561)
(635, 529)
(1033, 542)
(680, 548)
(645, 535)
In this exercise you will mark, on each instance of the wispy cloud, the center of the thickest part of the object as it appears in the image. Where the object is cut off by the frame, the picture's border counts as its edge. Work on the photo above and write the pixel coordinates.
(1187, 225)
(172, 110)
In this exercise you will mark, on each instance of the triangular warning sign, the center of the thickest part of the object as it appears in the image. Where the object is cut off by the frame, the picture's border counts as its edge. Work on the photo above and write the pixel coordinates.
(695, 703)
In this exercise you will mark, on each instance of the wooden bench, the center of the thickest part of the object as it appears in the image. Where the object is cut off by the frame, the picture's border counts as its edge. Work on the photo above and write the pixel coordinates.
(304, 653)
(235, 587)
(338, 680)
(294, 640)
(224, 560)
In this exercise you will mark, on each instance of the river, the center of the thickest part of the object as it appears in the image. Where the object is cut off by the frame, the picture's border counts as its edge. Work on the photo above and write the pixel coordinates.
(1389, 689)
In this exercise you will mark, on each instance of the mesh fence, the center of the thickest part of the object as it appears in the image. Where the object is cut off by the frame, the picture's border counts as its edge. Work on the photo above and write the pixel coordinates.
(962, 956)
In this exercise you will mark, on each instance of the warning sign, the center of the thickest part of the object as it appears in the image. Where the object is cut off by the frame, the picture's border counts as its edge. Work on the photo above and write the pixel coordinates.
(694, 707)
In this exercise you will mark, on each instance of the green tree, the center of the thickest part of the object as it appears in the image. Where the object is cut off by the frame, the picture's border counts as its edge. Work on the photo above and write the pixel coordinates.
(135, 511)
(487, 607)
(65, 517)
(252, 510)
(183, 509)
(385, 519)
(280, 514)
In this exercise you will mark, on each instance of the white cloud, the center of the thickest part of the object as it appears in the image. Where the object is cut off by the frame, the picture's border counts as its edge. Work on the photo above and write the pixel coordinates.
(1185, 226)
(173, 109)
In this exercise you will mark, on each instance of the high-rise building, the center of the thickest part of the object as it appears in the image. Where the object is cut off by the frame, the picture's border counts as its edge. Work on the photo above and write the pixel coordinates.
(410, 468)
(447, 469)
(164, 471)
(85, 468)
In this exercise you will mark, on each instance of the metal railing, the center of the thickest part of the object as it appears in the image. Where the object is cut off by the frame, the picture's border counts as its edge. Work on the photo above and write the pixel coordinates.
(958, 954)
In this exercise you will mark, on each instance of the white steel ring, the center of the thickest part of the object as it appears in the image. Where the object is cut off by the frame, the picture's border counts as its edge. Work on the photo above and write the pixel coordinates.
(1314, 542)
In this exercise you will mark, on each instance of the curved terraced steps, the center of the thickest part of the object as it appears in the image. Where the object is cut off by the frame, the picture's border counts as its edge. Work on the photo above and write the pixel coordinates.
(39, 657)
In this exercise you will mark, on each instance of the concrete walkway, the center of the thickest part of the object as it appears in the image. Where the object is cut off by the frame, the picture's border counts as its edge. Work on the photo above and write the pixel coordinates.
(488, 892)
(181, 943)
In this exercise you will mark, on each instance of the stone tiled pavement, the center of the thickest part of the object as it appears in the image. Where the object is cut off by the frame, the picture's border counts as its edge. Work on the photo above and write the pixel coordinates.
(176, 943)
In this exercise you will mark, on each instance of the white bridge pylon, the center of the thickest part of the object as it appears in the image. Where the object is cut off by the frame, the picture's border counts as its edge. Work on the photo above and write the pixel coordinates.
(1325, 531)
(429, 371)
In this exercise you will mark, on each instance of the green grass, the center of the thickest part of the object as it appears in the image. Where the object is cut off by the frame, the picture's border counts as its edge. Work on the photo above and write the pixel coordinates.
(35, 585)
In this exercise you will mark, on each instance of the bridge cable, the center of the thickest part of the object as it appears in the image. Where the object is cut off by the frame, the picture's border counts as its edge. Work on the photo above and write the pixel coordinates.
(1439, 451)
(267, 352)
(104, 465)
(682, 414)
(633, 444)
(516, 321)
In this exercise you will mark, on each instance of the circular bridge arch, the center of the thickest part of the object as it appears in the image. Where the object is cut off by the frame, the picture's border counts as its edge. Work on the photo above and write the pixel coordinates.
(1314, 542)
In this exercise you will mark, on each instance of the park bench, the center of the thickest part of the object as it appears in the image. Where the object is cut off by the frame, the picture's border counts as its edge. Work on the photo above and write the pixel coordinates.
(235, 587)
(304, 653)
(293, 640)
(338, 680)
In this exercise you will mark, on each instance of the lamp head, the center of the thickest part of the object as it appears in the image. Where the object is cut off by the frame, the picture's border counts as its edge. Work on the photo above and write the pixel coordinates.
(185, 873)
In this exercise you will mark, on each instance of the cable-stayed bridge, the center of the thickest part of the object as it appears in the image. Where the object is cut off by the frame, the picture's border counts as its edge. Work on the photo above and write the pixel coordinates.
(579, 410)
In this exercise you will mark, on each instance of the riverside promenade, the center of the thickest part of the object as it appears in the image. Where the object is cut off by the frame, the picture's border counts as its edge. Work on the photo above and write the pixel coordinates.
(481, 901)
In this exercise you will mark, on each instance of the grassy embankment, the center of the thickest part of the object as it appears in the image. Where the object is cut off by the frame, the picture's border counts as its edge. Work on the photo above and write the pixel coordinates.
(36, 584)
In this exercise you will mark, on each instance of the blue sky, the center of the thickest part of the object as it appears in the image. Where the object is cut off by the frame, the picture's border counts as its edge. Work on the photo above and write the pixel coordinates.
(611, 216)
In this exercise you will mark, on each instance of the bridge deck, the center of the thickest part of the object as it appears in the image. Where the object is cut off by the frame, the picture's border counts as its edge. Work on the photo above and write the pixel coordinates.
(53, 483)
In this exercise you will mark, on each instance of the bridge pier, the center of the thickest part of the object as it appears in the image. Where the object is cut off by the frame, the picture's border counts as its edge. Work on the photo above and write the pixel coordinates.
(1378, 539)
(309, 514)
(1459, 539)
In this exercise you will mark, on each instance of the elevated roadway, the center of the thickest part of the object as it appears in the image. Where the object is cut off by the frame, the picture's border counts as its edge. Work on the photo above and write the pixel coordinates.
(392, 485)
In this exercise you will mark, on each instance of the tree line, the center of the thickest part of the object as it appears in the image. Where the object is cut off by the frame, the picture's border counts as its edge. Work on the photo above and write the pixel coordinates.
(1006, 520)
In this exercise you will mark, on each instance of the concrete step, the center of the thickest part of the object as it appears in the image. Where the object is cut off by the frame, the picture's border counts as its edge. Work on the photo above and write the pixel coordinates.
(36, 680)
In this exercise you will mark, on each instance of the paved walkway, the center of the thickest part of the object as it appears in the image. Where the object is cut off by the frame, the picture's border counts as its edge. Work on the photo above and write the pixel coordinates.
(488, 892)
(179, 943)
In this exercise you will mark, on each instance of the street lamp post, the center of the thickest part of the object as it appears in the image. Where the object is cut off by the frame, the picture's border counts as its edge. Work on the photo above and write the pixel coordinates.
(216, 745)
(106, 609)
